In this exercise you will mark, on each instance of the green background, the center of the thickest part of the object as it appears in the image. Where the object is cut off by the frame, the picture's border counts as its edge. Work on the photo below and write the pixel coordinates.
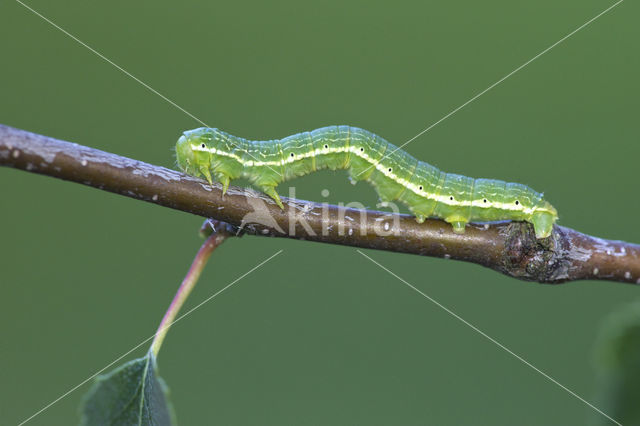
(319, 335)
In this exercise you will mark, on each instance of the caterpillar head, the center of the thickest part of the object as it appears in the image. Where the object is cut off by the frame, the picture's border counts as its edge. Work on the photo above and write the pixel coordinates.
(191, 153)
(184, 154)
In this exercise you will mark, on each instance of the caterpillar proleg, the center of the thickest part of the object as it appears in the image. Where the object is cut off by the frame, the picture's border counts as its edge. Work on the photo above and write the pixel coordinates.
(396, 175)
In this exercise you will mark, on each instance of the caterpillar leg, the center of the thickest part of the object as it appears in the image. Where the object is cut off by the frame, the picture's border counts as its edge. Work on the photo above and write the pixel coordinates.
(543, 223)
(207, 174)
(271, 192)
(458, 227)
(225, 181)
(420, 218)
(457, 222)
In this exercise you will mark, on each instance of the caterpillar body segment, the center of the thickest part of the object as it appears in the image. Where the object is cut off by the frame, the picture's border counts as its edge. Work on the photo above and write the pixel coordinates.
(396, 175)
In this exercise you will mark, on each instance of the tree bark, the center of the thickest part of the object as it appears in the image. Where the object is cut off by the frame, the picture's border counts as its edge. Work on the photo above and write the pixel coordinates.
(507, 247)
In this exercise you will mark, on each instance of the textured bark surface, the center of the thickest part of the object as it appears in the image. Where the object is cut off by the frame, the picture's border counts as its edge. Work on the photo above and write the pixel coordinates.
(507, 247)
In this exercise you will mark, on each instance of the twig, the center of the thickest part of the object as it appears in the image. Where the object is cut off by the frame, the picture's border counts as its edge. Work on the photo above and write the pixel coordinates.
(508, 247)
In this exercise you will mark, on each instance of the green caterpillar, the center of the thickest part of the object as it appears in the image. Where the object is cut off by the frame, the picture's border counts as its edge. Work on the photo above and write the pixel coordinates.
(396, 175)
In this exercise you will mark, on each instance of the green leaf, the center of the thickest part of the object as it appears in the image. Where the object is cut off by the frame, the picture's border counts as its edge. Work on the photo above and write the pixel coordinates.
(133, 394)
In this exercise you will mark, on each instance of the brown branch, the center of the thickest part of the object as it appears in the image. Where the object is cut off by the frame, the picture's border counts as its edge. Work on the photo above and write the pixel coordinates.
(508, 247)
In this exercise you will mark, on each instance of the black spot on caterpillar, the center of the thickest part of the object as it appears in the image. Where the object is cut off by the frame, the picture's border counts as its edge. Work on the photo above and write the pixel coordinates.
(396, 175)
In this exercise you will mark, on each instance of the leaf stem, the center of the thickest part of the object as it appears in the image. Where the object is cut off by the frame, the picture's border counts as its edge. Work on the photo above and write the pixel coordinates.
(220, 232)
